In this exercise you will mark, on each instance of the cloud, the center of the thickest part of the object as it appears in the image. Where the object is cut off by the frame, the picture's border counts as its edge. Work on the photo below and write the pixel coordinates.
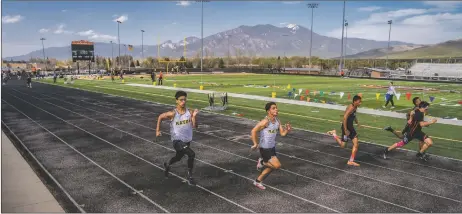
(435, 19)
(63, 11)
(96, 36)
(369, 9)
(11, 19)
(383, 17)
(44, 30)
(444, 4)
(174, 23)
(416, 29)
(122, 18)
(86, 33)
(183, 3)
(102, 37)
(283, 23)
(291, 2)
(60, 30)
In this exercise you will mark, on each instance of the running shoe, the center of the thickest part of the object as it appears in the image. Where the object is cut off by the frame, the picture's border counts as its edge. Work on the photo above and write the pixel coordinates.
(388, 128)
(331, 132)
(385, 152)
(259, 185)
(191, 180)
(259, 165)
(425, 157)
(352, 163)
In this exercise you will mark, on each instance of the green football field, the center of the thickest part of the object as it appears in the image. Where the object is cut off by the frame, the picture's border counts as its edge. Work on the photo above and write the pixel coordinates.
(446, 138)
(444, 105)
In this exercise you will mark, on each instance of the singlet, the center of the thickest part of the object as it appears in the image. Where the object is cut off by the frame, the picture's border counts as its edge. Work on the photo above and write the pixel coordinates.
(181, 127)
(351, 118)
(408, 115)
(268, 134)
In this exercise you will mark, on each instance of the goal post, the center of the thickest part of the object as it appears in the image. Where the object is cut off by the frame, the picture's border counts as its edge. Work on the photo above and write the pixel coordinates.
(161, 60)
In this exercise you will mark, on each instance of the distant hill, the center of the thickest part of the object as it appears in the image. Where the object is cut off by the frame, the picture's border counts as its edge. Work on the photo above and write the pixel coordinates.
(452, 48)
(382, 52)
(258, 40)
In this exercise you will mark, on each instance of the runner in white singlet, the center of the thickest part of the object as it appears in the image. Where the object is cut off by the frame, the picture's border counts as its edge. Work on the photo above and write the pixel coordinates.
(182, 122)
(268, 129)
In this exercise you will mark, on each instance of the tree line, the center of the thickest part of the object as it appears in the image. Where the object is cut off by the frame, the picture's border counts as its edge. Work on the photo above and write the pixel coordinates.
(209, 61)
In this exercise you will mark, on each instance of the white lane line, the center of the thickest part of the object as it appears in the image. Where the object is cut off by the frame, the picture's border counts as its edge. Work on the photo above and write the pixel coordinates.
(250, 179)
(44, 169)
(237, 132)
(305, 130)
(105, 170)
(246, 158)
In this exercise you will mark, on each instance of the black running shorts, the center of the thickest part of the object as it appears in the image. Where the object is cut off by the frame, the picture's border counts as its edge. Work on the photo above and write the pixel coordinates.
(421, 136)
(179, 145)
(266, 154)
(352, 135)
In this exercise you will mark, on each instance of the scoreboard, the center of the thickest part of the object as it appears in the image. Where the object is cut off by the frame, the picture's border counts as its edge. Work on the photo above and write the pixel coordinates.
(83, 51)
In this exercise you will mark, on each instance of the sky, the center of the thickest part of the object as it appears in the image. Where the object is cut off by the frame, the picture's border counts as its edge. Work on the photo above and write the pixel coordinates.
(60, 22)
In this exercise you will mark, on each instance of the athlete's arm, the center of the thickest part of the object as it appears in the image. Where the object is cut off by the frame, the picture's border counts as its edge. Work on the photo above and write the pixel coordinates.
(427, 123)
(163, 116)
(193, 118)
(356, 121)
(260, 126)
(283, 131)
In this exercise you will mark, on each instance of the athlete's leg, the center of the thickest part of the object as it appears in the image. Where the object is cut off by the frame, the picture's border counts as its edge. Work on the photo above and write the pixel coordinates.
(271, 165)
(178, 156)
(337, 139)
(191, 156)
(397, 134)
(428, 142)
(353, 152)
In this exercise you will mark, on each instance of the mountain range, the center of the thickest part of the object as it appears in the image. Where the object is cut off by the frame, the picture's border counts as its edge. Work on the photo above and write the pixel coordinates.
(258, 40)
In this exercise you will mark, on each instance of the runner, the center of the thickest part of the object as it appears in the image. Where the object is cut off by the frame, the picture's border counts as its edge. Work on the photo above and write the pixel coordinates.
(414, 130)
(268, 128)
(416, 101)
(182, 123)
(29, 80)
(160, 78)
(348, 131)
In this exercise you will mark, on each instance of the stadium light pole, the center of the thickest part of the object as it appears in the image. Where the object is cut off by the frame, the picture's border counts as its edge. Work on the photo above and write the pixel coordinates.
(202, 30)
(229, 55)
(285, 55)
(118, 37)
(312, 6)
(346, 41)
(112, 55)
(142, 47)
(388, 49)
(343, 28)
(43, 49)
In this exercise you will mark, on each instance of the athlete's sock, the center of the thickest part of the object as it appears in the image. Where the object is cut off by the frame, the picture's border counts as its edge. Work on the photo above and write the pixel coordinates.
(400, 144)
(352, 157)
(335, 136)
(353, 154)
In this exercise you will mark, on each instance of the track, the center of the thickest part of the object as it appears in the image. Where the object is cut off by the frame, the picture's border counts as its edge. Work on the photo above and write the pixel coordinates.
(102, 151)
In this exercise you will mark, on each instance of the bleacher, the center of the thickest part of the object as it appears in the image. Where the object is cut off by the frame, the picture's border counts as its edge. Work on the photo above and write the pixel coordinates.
(434, 71)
